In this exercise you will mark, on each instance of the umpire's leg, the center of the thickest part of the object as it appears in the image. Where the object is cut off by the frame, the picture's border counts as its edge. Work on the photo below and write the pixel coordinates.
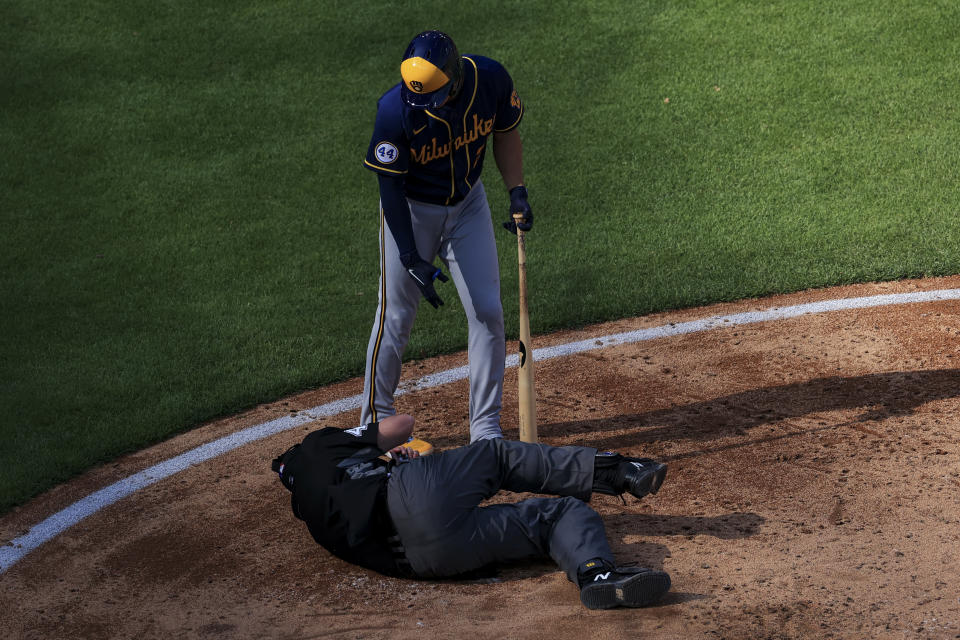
(566, 529)
(433, 502)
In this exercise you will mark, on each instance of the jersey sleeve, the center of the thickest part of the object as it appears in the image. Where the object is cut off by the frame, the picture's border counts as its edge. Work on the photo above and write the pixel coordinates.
(363, 435)
(333, 445)
(509, 105)
(389, 150)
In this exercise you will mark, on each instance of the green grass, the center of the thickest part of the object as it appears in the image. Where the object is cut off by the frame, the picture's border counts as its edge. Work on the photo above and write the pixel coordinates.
(188, 229)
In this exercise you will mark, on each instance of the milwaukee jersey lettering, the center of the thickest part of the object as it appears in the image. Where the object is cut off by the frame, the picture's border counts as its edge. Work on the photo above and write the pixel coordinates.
(428, 153)
(440, 152)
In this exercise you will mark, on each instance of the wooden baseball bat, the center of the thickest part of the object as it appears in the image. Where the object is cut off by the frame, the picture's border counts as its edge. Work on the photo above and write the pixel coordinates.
(528, 399)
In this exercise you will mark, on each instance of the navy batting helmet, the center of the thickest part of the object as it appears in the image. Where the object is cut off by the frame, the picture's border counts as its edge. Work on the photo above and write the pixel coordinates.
(432, 70)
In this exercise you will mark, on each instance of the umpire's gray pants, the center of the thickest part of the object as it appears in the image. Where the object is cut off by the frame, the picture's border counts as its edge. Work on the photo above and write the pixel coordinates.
(462, 236)
(434, 505)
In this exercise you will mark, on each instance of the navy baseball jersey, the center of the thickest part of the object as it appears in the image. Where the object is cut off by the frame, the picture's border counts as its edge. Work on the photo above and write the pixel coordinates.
(440, 152)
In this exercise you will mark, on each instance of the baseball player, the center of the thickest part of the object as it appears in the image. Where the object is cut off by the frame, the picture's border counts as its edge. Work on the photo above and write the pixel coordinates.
(428, 146)
(419, 517)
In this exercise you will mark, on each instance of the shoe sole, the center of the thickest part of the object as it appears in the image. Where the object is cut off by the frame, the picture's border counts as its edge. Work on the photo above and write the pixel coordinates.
(637, 590)
(656, 475)
(658, 478)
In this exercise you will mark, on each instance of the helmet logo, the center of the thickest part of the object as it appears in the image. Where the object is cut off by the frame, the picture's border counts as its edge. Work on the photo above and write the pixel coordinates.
(422, 76)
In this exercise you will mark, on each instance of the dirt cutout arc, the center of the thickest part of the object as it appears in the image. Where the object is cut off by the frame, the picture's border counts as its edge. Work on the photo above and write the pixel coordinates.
(66, 518)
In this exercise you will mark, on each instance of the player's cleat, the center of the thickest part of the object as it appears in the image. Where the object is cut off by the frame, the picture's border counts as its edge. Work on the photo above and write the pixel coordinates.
(614, 474)
(623, 587)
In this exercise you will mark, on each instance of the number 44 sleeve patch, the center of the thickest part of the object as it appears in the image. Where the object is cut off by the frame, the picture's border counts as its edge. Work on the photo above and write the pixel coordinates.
(386, 153)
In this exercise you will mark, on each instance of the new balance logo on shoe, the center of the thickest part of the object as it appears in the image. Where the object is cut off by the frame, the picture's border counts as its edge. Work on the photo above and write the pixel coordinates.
(625, 587)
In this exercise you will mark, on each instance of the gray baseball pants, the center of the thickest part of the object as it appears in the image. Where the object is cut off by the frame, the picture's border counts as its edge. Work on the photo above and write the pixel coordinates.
(433, 502)
(462, 236)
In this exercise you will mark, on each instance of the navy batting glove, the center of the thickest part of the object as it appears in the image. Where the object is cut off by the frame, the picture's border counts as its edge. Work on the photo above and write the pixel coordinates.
(519, 204)
(424, 273)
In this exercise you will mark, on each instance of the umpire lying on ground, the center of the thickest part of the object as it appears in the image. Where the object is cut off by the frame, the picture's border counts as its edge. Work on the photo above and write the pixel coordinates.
(419, 517)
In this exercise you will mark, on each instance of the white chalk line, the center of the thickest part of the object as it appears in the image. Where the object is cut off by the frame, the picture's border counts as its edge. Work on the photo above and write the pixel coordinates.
(59, 522)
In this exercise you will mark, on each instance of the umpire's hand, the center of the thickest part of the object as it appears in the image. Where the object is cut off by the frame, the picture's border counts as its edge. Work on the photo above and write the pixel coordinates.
(424, 273)
(403, 453)
(519, 205)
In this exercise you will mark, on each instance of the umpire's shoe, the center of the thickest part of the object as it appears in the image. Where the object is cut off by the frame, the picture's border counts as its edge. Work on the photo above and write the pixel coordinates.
(614, 474)
(609, 587)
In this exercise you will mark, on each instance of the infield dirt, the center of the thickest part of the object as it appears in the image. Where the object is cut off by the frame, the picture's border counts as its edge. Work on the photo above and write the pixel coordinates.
(813, 492)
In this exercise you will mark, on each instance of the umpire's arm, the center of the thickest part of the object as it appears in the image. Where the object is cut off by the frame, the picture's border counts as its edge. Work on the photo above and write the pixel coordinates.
(394, 431)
